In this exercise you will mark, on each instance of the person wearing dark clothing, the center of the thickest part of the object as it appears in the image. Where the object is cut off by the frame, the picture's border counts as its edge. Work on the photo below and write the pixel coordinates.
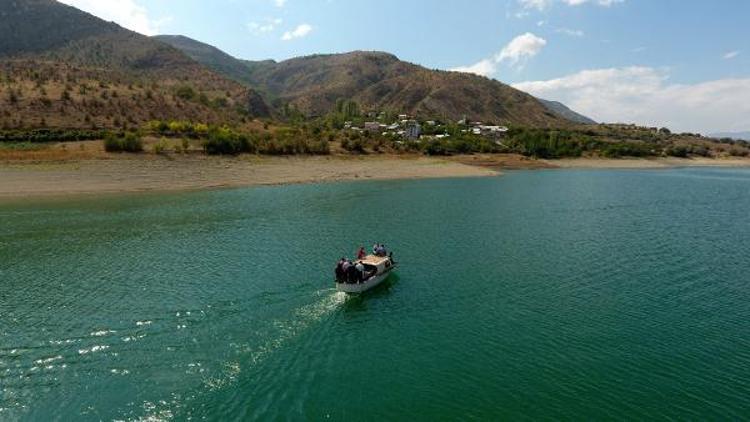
(351, 273)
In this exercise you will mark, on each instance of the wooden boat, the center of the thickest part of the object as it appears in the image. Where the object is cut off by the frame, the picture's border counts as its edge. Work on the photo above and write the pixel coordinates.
(377, 270)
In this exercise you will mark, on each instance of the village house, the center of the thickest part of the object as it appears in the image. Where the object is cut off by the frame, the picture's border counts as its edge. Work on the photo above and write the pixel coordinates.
(372, 126)
(412, 130)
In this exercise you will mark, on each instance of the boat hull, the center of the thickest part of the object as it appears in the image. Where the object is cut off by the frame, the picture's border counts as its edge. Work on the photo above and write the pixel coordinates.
(365, 285)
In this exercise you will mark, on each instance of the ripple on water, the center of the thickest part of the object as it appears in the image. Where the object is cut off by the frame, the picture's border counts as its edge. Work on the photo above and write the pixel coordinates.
(539, 295)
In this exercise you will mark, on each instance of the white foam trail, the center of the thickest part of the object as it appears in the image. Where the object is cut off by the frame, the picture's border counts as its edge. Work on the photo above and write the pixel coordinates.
(93, 349)
(102, 333)
(288, 330)
(47, 360)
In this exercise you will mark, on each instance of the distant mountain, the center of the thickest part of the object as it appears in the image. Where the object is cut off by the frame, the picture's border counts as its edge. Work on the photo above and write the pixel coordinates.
(380, 81)
(210, 56)
(65, 67)
(377, 81)
(562, 110)
(740, 136)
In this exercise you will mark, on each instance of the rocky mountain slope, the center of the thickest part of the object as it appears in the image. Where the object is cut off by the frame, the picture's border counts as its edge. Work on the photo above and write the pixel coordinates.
(60, 66)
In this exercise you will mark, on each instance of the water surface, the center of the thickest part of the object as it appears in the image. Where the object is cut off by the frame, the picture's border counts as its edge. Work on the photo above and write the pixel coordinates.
(538, 295)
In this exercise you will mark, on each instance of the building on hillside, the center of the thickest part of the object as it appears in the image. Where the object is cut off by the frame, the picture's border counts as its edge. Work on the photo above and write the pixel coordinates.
(412, 130)
(495, 131)
(372, 126)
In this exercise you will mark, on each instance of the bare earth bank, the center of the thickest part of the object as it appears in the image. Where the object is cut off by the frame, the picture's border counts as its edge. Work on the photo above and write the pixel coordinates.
(155, 173)
(646, 163)
(85, 173)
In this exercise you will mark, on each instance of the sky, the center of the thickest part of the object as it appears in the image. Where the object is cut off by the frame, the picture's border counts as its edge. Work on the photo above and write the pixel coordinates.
(683, 64)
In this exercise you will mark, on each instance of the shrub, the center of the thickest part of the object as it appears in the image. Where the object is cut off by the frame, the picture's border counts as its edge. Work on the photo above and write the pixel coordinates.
(354, 145)
(51, 135)
(186, 93)
(626, 149)
(737, 152)
(677, 151)
(160, 147)
(130, 142)
(437, 147)
(224, 141)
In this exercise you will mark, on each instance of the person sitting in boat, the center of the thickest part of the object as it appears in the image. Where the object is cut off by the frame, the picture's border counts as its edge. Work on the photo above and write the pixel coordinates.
(381, 251)
(340, 270)
(351, 273)
(361, 254)
(375, 248)
(360, 271)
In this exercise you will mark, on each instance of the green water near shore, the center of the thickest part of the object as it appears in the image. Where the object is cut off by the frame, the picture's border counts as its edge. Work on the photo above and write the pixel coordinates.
(579, 295)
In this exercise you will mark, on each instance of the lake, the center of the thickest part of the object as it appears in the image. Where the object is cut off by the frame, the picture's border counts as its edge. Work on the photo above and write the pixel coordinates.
(562, 294)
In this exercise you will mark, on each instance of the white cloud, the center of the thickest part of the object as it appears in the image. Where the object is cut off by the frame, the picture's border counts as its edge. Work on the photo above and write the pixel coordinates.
(486, 67)
(299, 32)
(266, 26)
(730, 55)
(571, 32)
(279, 3)
(127, 13)
(535, 4)
(516, 53)
(605, 3)
(644, 95)
(521, 48)
(542, 5)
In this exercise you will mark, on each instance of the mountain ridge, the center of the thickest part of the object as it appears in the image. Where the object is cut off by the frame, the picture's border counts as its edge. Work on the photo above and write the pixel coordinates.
(380, 81)
(565, 111)
(739, 136)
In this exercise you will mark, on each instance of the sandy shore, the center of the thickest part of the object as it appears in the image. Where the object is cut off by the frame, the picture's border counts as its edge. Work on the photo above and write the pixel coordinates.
(145, 173)
(647, 163)
(87, 170)
(512, 162)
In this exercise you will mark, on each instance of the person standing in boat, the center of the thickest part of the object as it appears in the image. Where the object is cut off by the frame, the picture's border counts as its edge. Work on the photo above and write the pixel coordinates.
(361, 254)
(351, 273)
(345, 269)
(340, 270)
(360, 271)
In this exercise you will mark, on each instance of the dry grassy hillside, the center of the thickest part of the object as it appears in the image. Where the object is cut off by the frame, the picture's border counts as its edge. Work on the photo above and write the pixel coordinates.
(66, 68)
(380, 81)
(51, 94)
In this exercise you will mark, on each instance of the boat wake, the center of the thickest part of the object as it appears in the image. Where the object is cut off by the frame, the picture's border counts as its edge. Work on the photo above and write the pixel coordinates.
(285, 331)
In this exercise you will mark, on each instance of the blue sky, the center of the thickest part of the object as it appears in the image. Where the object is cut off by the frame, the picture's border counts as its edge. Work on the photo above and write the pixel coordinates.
(684, 64)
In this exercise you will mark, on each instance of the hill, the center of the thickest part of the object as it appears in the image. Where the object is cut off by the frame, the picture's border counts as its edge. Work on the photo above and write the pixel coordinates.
(64, 67)
(377, 81)
(564, 111)
(210, 56)
(738, 136)
(380, 81)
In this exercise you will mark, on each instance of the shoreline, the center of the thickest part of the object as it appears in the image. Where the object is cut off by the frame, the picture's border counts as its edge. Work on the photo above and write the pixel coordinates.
(514, 162)
(144, 173)
(112, 174)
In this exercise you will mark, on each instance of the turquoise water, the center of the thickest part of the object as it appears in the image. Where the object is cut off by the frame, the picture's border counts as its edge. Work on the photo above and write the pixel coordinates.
(538, 295)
